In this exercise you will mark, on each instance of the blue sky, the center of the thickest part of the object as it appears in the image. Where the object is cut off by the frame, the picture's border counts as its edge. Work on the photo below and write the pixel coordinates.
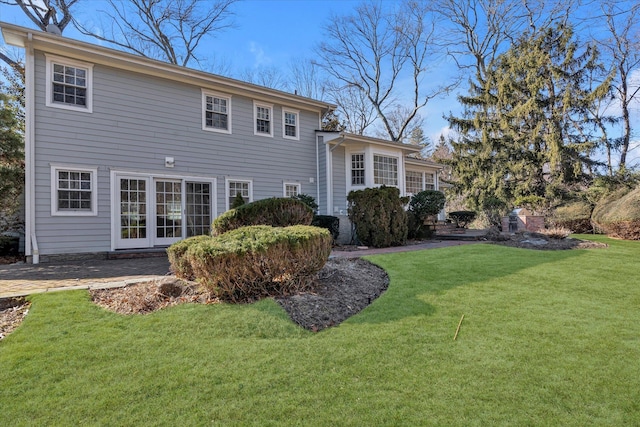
(272, 33)
(268, 33)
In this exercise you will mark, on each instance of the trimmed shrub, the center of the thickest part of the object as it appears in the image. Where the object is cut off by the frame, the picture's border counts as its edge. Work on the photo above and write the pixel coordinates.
(575, 217)
(379, 216)
(423, 205)
(276, 212)
(179, 264)
(618, 214)
(331, 223)
(462, 218)
(307, 200)
(259, 261)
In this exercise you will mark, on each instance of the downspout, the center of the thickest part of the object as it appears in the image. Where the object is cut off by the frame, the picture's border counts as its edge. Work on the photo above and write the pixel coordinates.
(317, 169)
(30, 244)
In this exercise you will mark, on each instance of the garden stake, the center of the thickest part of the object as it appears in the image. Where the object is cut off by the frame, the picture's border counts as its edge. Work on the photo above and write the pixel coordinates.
(458, 328)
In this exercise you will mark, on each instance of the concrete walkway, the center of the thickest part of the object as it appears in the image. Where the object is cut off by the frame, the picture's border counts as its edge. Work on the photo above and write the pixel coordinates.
(25, 279)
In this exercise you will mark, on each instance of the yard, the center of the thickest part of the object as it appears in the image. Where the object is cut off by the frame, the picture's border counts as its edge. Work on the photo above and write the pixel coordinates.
(548, 338)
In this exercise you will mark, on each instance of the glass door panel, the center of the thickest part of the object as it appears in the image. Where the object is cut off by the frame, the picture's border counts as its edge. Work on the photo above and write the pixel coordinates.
(198, 208)
(168, 211)
(133, 212)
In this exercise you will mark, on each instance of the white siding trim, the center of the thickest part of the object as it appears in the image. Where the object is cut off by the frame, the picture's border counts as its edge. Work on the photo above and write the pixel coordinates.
(50, 59)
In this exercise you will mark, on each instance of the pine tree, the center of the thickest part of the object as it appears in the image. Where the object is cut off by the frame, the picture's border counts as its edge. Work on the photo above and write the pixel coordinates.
(524, 132)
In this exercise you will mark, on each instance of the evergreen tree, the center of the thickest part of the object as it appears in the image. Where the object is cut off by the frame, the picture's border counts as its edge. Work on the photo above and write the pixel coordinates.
(524, 132)
(11, 154)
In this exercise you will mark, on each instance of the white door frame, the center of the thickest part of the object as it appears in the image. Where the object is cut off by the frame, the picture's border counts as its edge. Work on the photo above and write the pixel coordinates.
(151, 240)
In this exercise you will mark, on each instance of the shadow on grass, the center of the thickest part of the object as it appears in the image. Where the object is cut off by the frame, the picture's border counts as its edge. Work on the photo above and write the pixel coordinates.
(433, 271)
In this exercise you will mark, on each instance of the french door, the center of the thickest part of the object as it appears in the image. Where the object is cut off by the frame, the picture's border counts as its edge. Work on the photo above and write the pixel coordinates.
(157, 211)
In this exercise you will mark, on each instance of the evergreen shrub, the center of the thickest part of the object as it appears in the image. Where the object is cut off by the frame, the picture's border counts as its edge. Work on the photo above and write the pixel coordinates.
(574, 216)
(179, 263)
(462, 218)
(307, 200)
(331, 223)
(276, 212)
(423, 205)
(259, 261)
(379, 216)
(618, 215)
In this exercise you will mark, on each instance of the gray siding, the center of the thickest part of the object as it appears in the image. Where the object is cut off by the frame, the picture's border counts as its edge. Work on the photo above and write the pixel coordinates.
(137, 121)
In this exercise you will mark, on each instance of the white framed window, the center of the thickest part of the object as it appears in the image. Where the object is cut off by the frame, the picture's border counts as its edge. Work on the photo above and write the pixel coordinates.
(291, 189)
(262, 119)
(430, 183)
(73, 191)
(357, 169)
(413, 182)
(385, 170)
(290, 126)
(244, 187)
(216, 112)
(69, 84)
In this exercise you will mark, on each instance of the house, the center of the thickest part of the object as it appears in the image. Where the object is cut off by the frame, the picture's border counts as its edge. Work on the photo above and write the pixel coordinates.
(124, 152)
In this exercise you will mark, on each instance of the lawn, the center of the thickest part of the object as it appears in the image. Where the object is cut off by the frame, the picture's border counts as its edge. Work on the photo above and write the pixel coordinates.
(548, 338)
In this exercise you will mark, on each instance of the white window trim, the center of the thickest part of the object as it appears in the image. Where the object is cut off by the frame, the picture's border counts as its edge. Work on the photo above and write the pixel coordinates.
(50, 60)
(54, 191)
(284, 133)
(255, 119)
(206, 93)
(349, 160)
(399, 172)
(226, 189)
(422, 180)
(295, 184)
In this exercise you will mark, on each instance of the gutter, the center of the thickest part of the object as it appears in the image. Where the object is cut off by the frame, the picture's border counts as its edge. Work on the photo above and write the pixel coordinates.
(30, 244)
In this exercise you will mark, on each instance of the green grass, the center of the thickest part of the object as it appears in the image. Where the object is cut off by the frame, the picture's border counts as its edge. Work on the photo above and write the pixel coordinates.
(548, 338)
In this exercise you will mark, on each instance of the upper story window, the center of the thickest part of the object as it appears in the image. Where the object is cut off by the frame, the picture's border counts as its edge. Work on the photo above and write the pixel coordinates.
(216, 111)
(357, 169)
(429, 181)
(413, 182)
(69, 84)
(291, 189)
(385, 170)
(263, 119)
(73, 191)
(290, 124)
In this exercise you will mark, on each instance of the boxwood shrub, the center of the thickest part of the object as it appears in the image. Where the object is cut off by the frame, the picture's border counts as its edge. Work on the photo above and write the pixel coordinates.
(462, 218)
(276, 212)
(253, 262)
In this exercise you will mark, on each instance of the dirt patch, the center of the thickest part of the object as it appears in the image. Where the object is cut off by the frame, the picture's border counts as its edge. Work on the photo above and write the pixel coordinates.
(12, 312)
(341, 289)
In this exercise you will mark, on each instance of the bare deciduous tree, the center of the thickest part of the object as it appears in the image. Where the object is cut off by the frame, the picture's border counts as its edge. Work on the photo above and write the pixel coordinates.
(267, 76)
(48, 15)
(354, 109)
(623, 47)
(169, 30)
(375, 49)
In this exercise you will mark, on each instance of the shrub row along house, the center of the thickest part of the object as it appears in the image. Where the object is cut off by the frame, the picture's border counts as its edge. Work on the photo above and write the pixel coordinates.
(124, 152)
